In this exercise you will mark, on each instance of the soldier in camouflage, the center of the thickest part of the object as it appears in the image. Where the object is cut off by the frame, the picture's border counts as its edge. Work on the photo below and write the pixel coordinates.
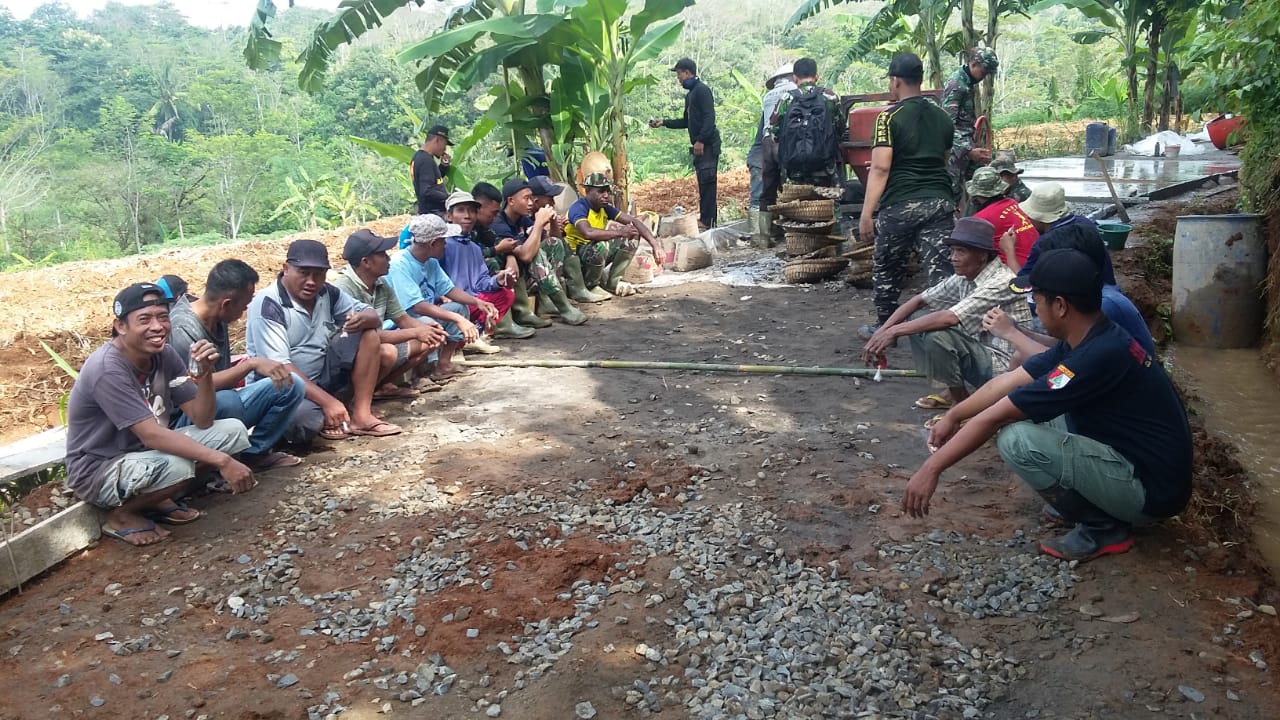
(805, 73)
(957, 100)
(1006, 163)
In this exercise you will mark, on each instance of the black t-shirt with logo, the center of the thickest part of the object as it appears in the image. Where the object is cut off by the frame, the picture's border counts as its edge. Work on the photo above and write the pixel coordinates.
(1114, 392)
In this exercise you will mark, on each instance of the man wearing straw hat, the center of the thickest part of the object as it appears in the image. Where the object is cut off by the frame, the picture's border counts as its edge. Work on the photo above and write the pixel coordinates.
(944, 323)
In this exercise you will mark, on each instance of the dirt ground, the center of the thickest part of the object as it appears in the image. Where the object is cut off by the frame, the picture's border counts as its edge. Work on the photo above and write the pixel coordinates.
(828, 456)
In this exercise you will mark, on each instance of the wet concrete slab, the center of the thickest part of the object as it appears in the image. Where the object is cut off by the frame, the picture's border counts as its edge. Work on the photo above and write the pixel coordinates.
(1134, 177)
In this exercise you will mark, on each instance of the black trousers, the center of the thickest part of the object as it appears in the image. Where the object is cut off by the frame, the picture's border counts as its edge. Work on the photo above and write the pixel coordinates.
(771, 174)
(705, 168)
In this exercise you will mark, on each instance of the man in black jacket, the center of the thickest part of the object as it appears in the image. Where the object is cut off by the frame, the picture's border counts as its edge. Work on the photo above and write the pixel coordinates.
(427, 170)
(700, 119)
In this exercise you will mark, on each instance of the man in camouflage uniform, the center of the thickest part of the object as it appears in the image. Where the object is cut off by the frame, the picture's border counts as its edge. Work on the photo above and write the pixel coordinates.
(1006, 163)
(805, 73)
(908, 183)
(957, 100)
(602, 236)
(527, 236)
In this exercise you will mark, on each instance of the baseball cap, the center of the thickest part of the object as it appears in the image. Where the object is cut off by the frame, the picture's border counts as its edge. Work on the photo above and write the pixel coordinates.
(1065, 272)
(597, 180)
(986, 183)
(972, 232)
(363, 243)
(513, 186)
(906, 66)
(134, 298)
(426, 228)
(986, 57)
(458, 197)
(542, 185)
(685, 64)
(1047, 204)
(172, 286)
(442, 131)
(308, 254)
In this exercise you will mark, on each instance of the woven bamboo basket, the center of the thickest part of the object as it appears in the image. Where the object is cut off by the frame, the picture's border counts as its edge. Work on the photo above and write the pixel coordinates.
(788, 193)
(806, 227)
(859, 274)
(799, 243)
(806, 270)
(860, 252)
(830, 193)
(809, 210)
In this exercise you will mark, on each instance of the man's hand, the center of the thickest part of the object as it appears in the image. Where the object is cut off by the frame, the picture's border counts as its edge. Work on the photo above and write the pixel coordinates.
(919, 489)
(505, 277)
(942, 431)
(237, 475)
(490, 312)
(445, 159)
(505, 246)
(431, 336)
(278, 372)
(205, 354)
(469, 332)
(655, 123)
(335, 414)
(544, 215)
(353, 323)
(878, 343)
(1009, 243)
(998, 323)
(866, 228)
(979, 155)
(698, 149)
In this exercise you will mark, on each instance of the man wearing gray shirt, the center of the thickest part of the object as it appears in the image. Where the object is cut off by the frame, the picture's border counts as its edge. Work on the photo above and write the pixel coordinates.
(267, 404)
(324, 336)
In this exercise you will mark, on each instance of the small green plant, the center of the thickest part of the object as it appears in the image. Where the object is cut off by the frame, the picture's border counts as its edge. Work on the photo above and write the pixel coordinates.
(71, 372)
(1158, 262)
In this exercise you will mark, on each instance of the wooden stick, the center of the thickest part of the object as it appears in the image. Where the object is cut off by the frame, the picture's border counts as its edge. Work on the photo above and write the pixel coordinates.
(1124, 214)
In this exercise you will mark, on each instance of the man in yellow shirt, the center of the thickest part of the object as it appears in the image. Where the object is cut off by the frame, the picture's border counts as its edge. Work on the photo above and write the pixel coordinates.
(602, 235)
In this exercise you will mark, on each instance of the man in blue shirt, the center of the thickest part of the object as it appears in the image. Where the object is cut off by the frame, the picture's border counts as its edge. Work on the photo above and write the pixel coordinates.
(1093, 425)
(464, 262)
(425, 291)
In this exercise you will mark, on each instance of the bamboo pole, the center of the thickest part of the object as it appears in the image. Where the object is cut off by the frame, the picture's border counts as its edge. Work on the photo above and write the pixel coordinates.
(699, 367)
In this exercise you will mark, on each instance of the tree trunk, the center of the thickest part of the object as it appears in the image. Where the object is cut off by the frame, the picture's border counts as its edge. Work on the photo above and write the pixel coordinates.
(1153, 65)
(970, 34)
(993, 34)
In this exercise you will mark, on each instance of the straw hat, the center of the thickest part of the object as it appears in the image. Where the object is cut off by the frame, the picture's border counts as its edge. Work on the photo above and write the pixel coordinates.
(783, 70)
(1047, 204)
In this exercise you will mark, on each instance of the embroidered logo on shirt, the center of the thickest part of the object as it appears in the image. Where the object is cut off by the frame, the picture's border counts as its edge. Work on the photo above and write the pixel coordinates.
(1060, 376)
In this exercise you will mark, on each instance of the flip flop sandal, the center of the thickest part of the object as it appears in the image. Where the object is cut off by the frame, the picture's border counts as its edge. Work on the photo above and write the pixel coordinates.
(425, 385)
(933, 402)
(398, 394)
(333, 434)
(273, 460)
(165, 516)
(123, 535)
(374, 431)
(928, 424)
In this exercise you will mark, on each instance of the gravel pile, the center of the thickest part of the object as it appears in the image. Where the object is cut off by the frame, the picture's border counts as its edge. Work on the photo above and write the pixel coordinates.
(737, 629)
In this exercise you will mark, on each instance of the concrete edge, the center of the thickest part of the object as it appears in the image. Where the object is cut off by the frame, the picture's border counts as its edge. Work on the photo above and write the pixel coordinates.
(47, 543)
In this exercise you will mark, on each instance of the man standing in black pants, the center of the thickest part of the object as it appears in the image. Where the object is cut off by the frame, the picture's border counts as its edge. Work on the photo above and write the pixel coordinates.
(427, 170)
(700, 119)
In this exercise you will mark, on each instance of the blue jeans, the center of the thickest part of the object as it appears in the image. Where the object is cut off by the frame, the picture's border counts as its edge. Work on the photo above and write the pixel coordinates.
(261, 406)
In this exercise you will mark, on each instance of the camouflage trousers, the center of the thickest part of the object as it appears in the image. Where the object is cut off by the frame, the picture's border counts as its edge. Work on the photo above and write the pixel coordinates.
(596, 255)
(542, 273)
(900, 228)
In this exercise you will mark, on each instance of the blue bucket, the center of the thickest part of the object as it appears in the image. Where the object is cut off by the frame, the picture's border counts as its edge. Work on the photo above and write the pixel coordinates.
(1095, 138)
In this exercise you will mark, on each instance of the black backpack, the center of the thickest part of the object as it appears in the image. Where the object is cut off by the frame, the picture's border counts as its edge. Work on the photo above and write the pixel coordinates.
(808, 142)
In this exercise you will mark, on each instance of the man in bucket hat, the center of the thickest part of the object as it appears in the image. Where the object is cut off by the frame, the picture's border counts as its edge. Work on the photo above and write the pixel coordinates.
(1005, 162)
(1050, 213)
(944, 323)
(1015, 234)
(1093, 425)
(957, 99)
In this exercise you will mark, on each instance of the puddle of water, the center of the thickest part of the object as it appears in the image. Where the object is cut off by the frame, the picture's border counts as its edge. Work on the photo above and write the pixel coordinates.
(1239, 398)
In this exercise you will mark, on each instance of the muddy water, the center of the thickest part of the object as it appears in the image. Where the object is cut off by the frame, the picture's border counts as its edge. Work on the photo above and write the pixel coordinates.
(1239, 398)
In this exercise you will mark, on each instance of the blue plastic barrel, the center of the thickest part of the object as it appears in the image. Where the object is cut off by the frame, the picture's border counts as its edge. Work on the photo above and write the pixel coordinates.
(1095, 138)
(1111, 140)
(1219, 273)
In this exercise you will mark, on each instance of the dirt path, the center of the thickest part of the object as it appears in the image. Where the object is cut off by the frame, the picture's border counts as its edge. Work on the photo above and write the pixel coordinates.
(741, 532)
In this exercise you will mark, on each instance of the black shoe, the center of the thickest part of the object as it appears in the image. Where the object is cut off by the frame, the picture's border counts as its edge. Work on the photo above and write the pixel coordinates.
(1051, 515)
(1090, 540)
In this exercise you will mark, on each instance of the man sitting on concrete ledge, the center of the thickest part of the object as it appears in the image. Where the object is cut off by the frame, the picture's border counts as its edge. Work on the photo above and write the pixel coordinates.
(944, 323)
(1093, 425)
(121, 454)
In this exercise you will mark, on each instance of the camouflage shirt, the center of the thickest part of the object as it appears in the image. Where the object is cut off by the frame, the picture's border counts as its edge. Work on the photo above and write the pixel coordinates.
(1018, 191)
(957, 100)
(833, 106)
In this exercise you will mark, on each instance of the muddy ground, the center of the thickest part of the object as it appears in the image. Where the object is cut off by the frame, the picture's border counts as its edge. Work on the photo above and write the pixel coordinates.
(476, 479)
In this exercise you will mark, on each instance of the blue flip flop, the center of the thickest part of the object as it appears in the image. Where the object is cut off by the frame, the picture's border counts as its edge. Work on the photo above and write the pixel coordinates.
(166, 516)
(121, 535)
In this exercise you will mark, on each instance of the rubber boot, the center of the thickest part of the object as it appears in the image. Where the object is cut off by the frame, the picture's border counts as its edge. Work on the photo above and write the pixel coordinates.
(1096, 533)
(569, 314)
(593, 278)
(522, 309)
(546, 309)
(760, 229)
(621, 261)
(509, 329)
(574, 284)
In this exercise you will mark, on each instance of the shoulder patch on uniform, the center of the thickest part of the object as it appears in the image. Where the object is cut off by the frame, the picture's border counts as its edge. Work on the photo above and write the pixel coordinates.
(1060, 376)
(1139, 354)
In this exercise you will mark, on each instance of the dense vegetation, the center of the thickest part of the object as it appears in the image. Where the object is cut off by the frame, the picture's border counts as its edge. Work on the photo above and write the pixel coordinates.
(132, 128)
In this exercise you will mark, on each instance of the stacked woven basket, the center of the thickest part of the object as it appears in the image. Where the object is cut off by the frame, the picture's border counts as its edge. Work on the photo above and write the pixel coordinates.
(860, 264)
(807, 214)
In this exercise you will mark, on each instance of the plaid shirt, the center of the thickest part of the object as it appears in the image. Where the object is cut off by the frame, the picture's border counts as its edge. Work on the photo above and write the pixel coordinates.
(971, 299)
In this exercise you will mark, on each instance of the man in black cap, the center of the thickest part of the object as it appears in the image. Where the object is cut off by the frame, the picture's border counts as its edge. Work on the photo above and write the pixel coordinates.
(1093, 424)
(704, 137)
(948, 343)
(909, 185)
(526, 234)
(327, 338)
(121, 454)
(427, 170)
(406, 341)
